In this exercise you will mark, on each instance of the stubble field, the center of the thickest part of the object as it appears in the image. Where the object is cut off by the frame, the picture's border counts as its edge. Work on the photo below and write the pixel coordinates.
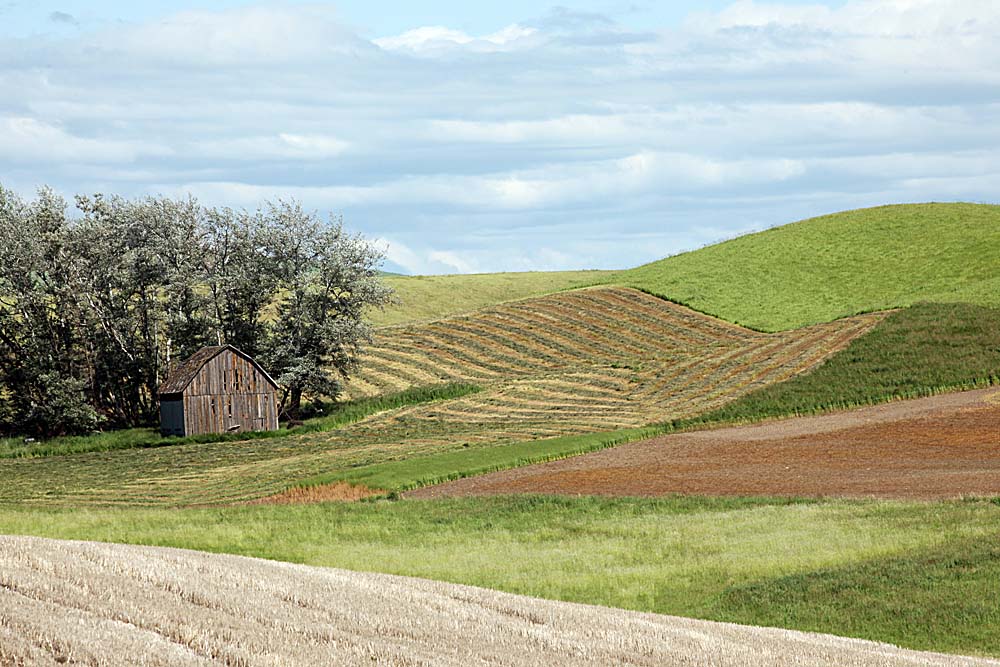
(125, 605)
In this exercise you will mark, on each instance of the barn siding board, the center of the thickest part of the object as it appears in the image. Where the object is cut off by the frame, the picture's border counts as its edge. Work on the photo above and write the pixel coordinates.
(221, 390)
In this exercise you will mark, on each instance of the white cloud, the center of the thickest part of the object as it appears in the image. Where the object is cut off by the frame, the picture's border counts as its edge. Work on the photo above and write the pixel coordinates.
(431, 38)
(551, 143)
(282, 146)
(30, 140)
(259, 36)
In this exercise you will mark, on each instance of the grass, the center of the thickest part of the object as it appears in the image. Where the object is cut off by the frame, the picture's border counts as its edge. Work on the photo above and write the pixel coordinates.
(844, 567)
(411, 473)
(341, 414)
(820, 269)
(423, 298)
(918, 351)
(940, 587)
(811, 271)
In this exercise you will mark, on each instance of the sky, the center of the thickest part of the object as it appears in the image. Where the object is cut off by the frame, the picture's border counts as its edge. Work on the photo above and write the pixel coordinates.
(471, 137)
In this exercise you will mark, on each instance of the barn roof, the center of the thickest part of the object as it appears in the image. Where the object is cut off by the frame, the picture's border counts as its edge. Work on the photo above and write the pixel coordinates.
(184, 372)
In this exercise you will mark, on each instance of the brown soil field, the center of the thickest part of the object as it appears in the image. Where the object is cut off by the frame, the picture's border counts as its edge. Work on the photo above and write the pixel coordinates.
(944, 446)
(108, 605)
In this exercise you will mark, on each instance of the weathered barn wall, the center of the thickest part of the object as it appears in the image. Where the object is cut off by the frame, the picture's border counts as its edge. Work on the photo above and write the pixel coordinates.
(229, 394)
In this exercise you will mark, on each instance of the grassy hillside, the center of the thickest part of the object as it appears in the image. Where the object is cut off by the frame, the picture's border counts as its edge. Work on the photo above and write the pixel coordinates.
(425, 298)
(820, 269)
(924, 575)
(916, 351)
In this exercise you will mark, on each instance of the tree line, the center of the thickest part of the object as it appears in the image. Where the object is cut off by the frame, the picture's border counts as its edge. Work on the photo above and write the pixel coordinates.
(96, 307)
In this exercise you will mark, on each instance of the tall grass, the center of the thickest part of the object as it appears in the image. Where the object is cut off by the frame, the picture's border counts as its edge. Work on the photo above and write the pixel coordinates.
(923, 575)
(341, 414)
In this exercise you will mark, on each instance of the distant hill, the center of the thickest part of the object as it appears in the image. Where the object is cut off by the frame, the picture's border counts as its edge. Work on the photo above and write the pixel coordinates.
(819, 269)
(424, 298)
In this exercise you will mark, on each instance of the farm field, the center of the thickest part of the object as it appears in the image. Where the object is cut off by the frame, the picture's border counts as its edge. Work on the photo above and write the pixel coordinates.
(775, 279)
(191, 608)
(946, 446)
(425, 298)
(581, 370)
(579, 362)
(855, 261)
(920, 575)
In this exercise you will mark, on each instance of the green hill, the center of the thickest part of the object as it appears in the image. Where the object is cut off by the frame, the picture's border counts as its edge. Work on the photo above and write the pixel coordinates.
(423, 298)
(820, 269)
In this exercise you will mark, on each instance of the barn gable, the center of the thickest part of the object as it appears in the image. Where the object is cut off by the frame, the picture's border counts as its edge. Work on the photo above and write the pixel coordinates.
(219, 389)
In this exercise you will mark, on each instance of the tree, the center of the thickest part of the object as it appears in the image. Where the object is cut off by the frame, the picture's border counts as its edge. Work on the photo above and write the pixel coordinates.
(44, 369)
(240, 274)
(326, 280)
(94, 310)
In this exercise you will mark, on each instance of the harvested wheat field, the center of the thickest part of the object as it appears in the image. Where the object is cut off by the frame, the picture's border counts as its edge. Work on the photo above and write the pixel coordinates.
(105, 604)
(944, 446)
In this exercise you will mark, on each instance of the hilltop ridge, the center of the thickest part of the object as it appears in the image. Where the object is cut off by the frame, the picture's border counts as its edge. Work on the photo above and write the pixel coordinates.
(820, 269)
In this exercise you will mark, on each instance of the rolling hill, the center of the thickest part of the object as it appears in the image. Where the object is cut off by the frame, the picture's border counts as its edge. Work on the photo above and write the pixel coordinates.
(425, 298)
(190, 608)
(837, 265)
(802, 273)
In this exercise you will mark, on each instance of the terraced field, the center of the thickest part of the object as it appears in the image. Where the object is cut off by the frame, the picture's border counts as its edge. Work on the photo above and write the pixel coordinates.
(571, 363)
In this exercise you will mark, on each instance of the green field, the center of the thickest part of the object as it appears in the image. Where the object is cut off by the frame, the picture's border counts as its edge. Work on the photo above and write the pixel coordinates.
(918, 351)
(923, 575)
(790, 276)
(424, 298)
(820, 269)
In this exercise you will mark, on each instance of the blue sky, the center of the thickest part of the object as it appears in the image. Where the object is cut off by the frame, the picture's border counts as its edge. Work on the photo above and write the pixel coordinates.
(509, 136)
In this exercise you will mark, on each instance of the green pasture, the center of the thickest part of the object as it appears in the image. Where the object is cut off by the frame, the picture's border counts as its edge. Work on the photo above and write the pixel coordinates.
(923, 350)
(842, 264)
(922, 575)
(423, 298)
(797, 274)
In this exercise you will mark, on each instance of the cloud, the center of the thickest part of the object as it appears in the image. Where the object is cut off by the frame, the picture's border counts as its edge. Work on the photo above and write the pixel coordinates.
(559, 141)
(437, 38)
(63, 18)
(254, 36)
(281, 146)
(27, 140)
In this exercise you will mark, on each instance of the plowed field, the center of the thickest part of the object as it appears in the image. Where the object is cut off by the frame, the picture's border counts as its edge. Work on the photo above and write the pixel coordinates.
(108, 604)
(940, 447)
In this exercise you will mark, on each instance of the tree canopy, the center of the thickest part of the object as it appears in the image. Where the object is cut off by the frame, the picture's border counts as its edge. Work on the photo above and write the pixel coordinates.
(95, 308)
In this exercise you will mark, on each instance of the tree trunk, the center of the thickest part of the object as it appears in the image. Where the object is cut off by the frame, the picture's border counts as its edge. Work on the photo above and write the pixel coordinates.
(294, 403)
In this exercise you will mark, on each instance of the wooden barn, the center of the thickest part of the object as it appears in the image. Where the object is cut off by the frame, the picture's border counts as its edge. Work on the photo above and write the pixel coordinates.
(218, 390)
